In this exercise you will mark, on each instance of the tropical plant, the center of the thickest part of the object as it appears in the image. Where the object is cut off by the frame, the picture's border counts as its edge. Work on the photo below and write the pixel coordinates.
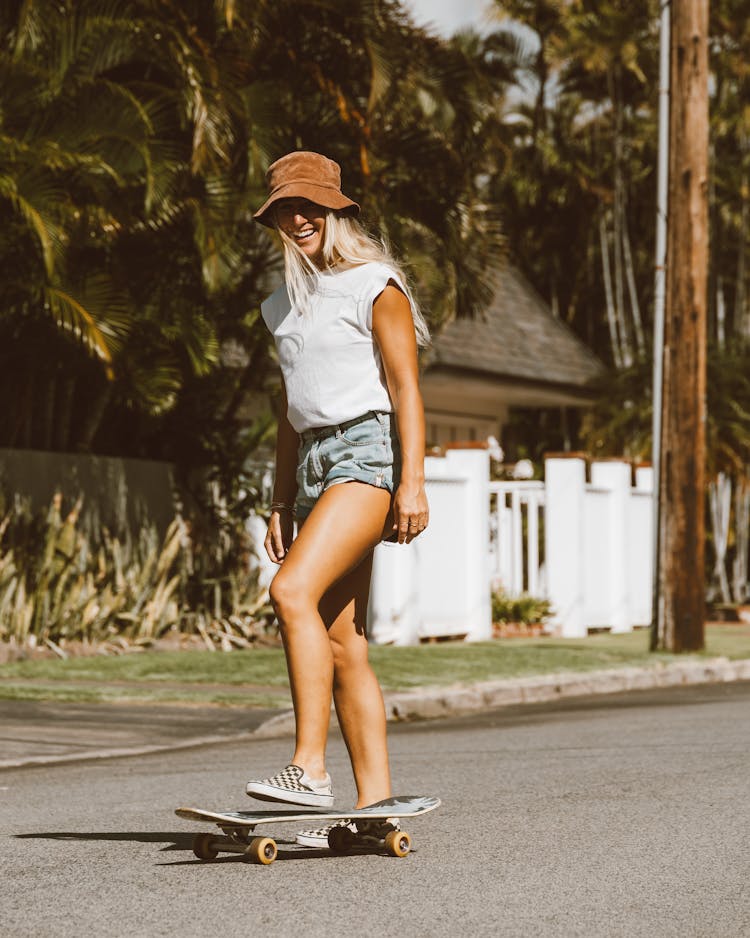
(112, 134)
(619, 423)
(131, 239)
(134, 136)
(527, 609)
(60, 584)
(729, 191)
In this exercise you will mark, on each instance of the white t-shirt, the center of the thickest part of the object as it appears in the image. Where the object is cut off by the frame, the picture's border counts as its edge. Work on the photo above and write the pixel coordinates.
(329, 357)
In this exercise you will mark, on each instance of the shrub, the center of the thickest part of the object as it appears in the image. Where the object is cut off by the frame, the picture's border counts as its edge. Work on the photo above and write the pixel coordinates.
(59, 583)
(523, 608)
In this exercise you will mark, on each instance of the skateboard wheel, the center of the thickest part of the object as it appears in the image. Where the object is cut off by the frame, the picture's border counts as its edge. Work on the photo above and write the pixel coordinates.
(202, 847)
(262, 850)
(340, 839)
(397, 843)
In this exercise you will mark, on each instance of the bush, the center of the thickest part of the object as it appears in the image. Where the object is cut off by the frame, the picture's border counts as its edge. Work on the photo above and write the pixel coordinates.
(59, 584)
(524, 608)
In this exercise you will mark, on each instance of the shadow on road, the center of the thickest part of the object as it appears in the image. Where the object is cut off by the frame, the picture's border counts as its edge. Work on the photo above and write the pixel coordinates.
(289, 853)
(174, 841)
(288, 850)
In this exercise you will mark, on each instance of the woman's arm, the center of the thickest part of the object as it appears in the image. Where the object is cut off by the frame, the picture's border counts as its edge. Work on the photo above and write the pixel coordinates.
(281, 523)
(393, 328)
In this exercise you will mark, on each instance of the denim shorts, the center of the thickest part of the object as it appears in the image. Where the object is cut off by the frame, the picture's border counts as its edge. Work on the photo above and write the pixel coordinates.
(365, 449)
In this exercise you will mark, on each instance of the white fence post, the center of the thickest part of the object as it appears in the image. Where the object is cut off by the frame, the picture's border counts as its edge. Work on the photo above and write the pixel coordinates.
(565, 477)
(453, 561)
(641, 558)
(393, 609)
(439, 585)
(614, 475)
(644, 478)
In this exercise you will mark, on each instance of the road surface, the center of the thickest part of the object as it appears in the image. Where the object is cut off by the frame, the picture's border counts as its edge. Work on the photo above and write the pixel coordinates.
(622, 816)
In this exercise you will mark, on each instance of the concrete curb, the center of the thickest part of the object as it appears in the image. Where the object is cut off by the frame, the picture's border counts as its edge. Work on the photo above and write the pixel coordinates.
(429, 703)
(451, 701)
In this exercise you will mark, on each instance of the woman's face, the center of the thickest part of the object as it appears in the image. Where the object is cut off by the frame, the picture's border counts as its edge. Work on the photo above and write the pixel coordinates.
(304, 222)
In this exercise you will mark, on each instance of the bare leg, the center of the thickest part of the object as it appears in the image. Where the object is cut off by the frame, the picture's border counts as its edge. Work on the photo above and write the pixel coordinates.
(345, 524)
(356, 692)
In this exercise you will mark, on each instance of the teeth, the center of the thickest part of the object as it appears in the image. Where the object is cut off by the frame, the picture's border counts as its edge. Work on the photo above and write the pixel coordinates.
(304, 234)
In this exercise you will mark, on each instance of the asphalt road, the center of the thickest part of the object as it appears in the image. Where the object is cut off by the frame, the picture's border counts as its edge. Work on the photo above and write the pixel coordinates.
(605, 817)
(45, 731)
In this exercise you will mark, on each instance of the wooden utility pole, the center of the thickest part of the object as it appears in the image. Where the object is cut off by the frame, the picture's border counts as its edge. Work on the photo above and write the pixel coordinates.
(680, 602)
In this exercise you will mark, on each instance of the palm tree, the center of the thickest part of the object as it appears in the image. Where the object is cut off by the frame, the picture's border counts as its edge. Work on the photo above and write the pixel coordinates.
(537, 66)
(134, 140)
(576, 186)
(116, 137)
(613, 48)
(729, 193)
(403, 113)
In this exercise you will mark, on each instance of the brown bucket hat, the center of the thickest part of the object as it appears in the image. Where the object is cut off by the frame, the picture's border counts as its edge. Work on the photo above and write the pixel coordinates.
(304, 175)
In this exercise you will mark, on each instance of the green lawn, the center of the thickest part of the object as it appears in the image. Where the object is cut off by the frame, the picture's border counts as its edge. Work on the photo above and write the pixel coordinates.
(63, 692)
(263, 666)
(258, 677)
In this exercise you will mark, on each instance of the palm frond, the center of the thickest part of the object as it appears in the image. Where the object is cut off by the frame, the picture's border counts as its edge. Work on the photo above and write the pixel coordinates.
(31, 194)
(97, 315)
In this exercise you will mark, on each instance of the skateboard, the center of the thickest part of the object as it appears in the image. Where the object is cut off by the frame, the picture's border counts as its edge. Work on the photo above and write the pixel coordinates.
(238, 826)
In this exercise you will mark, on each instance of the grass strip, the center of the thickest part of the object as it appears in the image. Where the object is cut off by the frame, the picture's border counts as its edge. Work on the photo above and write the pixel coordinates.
(75, 693)
(148, 675)
(440, 664)
(264, 666)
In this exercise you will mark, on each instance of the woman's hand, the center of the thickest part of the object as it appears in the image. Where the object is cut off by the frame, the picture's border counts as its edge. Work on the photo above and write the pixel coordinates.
(280, 534)
(411, 513)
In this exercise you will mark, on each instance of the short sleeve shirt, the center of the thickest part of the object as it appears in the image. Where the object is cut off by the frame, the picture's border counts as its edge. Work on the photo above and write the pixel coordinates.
(328, 354)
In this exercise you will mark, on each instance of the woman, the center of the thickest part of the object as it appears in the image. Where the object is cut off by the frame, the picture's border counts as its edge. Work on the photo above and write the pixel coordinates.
(346, 329)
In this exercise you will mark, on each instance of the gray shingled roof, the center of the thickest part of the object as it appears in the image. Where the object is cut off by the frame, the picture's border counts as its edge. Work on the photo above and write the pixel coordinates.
(517, 337)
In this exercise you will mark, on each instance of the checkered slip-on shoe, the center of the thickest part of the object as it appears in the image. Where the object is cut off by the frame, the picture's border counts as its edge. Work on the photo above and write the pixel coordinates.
(365, 832)
(293, 786)
(319, 836)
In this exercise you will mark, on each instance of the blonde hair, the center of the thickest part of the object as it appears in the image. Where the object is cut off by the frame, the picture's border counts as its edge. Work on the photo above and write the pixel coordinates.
(345, 244)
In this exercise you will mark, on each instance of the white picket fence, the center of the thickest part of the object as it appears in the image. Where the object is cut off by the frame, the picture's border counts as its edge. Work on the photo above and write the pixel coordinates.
(598, 543)
(584, 544)
(516, 549)
(438, 586)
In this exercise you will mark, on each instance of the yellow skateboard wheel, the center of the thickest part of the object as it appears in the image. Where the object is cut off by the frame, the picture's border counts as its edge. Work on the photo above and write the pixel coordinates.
(262, 850)
(397, 843)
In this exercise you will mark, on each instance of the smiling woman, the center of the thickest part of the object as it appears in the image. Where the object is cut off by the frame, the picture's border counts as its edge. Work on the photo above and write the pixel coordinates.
(304, 222)
(349, 461)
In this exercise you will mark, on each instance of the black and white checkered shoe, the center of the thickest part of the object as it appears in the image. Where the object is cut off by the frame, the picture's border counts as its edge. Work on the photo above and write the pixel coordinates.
(319, 836)
(293, 786)
(365, 832)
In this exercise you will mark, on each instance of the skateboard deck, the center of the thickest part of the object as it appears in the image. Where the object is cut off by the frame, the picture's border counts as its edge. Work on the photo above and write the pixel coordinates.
(238, 826)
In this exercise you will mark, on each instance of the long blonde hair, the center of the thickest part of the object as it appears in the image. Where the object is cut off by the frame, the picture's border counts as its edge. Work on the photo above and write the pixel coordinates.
(345, 244)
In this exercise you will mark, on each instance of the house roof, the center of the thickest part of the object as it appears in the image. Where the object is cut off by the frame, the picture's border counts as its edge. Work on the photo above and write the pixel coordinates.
(516, 338)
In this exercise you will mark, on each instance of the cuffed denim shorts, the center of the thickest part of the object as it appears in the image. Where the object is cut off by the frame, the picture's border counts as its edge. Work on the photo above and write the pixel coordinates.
(365, 449)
